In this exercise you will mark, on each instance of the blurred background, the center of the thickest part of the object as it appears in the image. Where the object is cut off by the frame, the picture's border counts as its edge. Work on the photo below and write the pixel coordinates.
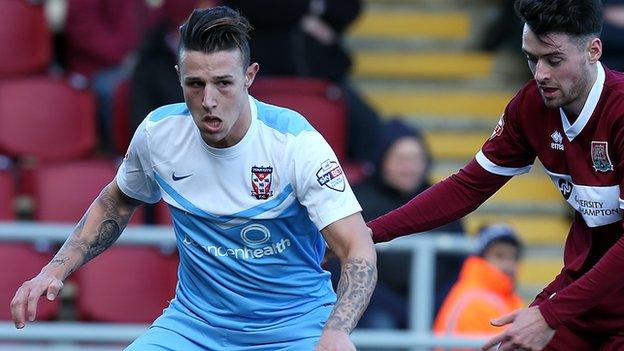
(405, 91)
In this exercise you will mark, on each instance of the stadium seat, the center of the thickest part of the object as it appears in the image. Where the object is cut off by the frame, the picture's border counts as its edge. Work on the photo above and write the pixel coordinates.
(7, 191)
(121, 118)
(163, 216)
(18, 263)
(45, 118)
(63, 191)
(25, 38)
(320, 101)
(126, 284)
(122, 279)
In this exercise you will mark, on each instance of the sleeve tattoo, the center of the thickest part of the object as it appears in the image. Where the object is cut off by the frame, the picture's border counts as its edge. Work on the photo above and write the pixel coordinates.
(356, 285)
(88, 242)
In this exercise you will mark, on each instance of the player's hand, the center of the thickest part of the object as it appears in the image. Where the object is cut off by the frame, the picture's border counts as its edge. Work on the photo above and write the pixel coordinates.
(528, 331)
(24, 303)
(334, 340)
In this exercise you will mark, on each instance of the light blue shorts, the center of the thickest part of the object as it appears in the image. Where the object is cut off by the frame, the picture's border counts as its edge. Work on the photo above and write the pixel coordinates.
(180, 329)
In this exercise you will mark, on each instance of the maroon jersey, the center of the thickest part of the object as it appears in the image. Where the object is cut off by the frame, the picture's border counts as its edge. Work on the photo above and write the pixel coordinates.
(585, 160)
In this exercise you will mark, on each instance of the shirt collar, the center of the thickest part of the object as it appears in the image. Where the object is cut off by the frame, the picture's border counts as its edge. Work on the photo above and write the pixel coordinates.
(572, 131)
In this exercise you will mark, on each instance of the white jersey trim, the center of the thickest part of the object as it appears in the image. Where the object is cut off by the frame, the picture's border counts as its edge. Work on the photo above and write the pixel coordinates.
(575, 129)
(500, 170)
(599, 205)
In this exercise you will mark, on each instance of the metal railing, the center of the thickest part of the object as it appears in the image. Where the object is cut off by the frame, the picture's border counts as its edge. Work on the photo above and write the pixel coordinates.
(422, 248)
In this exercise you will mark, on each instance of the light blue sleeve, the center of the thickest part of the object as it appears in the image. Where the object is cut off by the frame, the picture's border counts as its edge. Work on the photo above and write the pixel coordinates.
(320, 182)
(135, 176)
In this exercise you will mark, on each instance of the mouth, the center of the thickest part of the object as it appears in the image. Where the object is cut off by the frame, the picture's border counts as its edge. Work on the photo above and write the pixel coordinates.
(212, 124)
(548, 92)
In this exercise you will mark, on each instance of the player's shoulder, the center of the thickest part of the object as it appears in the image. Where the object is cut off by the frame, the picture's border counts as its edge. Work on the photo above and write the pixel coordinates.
(282, 119)
(614, 86)
(167, 112)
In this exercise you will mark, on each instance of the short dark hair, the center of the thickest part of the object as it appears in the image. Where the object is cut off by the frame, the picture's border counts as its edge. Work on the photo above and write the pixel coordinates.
(578, 18)
(216, 29)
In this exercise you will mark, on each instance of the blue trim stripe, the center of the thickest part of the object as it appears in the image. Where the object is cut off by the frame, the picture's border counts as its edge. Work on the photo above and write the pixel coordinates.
(282, 119)
(266, 206)
(248, 213)
(167, 111)
(188, 206)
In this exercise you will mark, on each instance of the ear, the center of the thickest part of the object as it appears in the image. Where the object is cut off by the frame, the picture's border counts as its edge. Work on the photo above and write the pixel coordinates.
(177, 68)
(250, 74)
(595, 50)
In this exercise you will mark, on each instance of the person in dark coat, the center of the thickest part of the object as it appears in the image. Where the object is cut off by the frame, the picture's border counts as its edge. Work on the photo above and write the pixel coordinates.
(304, 38)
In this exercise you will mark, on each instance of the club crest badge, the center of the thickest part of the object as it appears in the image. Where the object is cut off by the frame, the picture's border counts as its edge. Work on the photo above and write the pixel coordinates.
(600, 156)
(331, 175)
(261, 178)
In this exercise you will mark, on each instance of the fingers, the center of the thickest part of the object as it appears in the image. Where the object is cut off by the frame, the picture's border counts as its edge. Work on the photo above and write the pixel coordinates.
(54, 289)
(494, 342)
(24, 303)
(18, 305)
(32, 300)
(505, 319)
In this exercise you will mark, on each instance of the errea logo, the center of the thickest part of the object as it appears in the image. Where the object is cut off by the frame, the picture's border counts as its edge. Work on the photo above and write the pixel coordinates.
(557, 143)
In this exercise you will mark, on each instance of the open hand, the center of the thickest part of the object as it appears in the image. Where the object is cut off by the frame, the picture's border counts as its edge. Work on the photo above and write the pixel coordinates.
(528, 331)
(24, 303)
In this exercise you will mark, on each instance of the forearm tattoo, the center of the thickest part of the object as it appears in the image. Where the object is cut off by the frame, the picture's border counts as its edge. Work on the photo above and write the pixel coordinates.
(356, 285)
(111, 216)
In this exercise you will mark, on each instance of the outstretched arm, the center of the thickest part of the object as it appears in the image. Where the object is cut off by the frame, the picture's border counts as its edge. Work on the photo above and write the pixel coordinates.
(446, 201)
(350, 240)
(98, 229)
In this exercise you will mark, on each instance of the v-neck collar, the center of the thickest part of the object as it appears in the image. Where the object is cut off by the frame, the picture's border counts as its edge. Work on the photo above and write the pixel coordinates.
(573, 130)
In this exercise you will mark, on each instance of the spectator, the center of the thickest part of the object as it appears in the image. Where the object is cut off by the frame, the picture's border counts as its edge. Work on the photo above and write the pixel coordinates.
(504, 31)
(304, 38)
(101, 41)
(154, 81)
(613, 34)
(402, 170)
(486, 285)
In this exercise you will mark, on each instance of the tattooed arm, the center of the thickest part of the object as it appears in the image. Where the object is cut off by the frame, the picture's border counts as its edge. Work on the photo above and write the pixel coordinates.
(98, 229)
(350, 240)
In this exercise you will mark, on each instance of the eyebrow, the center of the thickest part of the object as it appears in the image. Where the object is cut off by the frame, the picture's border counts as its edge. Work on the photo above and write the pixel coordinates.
(555, 53)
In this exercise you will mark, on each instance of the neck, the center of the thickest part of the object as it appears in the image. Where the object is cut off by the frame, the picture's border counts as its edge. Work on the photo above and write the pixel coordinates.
(573, 109)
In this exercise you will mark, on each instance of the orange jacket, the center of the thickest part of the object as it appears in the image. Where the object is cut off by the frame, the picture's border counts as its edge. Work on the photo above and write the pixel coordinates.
(482, 293)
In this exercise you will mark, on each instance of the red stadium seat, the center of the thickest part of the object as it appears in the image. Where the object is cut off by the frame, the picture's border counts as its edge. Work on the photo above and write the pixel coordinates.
(121, 280)
(45, 118)
(163, 216)
(121, 117)
(63, 191)
(25, 38)
(18, 263)
(7, 191)
(126, 285)
(319, 101)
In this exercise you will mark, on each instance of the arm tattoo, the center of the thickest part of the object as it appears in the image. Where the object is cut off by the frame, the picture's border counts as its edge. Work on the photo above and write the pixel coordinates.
(356, 285)
(112, 216)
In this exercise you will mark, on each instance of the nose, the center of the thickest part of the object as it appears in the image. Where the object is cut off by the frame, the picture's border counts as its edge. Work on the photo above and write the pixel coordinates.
(542, 72)
(209, 100)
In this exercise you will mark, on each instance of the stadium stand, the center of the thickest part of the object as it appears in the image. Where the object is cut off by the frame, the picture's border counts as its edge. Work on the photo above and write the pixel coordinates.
(63, 191)
(29, 258)
(7, 192)
(45, 118)
(317, 99)
(25, 38)
(121, 134)
(126, 278)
